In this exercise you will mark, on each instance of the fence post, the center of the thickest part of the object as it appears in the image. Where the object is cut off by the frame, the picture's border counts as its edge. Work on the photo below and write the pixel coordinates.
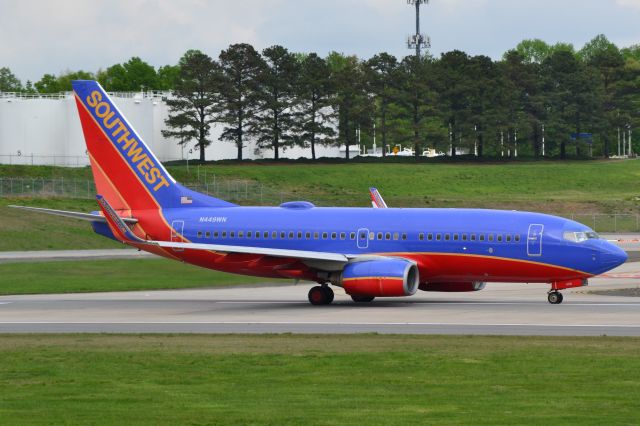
(615, 223)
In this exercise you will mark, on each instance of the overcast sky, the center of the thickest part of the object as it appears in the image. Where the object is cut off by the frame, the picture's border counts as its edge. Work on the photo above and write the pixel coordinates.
(52, 36)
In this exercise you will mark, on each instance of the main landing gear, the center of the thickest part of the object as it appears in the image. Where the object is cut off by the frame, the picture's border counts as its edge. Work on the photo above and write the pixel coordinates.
(321, 295)
(555, 297)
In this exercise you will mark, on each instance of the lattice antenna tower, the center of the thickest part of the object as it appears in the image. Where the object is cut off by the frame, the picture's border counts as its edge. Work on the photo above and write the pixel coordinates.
(418, 41)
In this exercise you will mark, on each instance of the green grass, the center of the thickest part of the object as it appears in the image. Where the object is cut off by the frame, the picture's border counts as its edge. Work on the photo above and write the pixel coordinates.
(290, 379)
(110, 275)
(20, 230)
(598, 186)
(545, 186)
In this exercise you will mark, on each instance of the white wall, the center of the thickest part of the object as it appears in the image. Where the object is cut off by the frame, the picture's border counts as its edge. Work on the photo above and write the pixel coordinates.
(48, 131)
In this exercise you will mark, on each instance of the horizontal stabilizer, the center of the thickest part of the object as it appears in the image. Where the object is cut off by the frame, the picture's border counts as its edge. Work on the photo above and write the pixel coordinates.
(74, 215)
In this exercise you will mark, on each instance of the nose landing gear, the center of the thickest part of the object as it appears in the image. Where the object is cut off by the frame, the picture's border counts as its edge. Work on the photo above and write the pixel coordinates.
(555, 297)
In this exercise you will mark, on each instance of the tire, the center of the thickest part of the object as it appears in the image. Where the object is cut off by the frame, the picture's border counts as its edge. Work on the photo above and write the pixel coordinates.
(329, 294)
(555, 298)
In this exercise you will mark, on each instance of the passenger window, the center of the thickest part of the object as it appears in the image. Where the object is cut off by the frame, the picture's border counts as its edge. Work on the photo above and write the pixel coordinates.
(274, 235)
(291, 235)
(395, 236)
(508, 238)
(265, 235)
(343, 235)
(372, 236)
(379, 235)
(438, 237)
(232, 234)
(472, 237)
(387, 236)
(481, 237)
(499, 238)
(404, 237)
(430, 237)
(421, 237)
(490, 237)
(283, 235)
(299, 235)
(307, 235)
(447, 237)
(315, 235)
(224, 234)
(352, 236)
(240, 234)
(517, 238)
(325, 235)
(464, 237)
(199, 234)
(207, 234)
(455, 237)
(248, 234)
(334, 235)
(257, 235)
(215, 234)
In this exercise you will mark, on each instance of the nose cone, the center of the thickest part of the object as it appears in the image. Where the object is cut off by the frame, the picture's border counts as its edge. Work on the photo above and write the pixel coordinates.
(612, 256)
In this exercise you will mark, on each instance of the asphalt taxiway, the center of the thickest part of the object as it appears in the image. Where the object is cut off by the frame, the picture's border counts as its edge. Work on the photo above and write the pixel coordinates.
(509, 309)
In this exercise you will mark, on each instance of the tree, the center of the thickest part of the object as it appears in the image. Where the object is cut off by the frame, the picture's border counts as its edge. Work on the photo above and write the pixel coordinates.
(351, 100)
(314, 92)
(532, 51)
(240, 65)
(132, 76)
(454, 84)
(605, 58)
(414, 100)
(380, 72)
(192, 107)
(572, 96)
(62, 83)
(8, 81)
(276, 96)
(168, 75)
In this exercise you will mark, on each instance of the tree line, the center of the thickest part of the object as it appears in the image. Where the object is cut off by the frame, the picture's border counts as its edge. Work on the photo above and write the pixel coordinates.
(539, 99)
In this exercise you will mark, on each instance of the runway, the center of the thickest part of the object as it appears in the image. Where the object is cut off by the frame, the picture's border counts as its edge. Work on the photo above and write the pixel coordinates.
(500, 309)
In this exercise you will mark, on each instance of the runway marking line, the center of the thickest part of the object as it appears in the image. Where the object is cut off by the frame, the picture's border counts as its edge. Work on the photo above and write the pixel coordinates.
(315, 323)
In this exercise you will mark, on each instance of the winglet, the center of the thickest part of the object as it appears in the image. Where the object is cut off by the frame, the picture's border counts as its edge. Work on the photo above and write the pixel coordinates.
(117, 224)
(376, 199)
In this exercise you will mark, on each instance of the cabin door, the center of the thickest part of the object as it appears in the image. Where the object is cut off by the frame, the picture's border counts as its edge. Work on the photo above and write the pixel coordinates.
(363, 238)
(177, 229)
(534, 240)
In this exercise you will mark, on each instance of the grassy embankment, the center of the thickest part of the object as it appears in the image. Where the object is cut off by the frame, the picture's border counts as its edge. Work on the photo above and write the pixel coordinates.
(285, 379)
(550, 186)
(112, 275)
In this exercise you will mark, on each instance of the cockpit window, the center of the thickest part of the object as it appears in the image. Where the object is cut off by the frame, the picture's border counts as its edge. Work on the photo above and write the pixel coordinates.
(579, 237)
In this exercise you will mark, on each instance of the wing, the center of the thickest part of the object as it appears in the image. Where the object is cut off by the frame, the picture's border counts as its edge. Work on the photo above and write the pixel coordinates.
(123, 232)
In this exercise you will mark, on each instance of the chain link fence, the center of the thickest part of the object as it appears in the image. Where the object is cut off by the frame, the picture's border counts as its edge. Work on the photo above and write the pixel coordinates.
(252, 193)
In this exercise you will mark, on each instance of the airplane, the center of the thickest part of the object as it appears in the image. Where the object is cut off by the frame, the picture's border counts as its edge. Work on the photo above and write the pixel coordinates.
(370, 253)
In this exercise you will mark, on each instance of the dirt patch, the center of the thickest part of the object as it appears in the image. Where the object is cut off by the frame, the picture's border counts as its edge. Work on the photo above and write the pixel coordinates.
(626, 292)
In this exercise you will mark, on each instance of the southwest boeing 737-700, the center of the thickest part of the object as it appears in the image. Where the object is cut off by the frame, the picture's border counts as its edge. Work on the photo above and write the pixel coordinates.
(369, 252)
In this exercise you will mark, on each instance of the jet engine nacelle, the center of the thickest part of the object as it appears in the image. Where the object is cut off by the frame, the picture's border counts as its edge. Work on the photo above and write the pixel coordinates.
(379, 278)
(453, 287)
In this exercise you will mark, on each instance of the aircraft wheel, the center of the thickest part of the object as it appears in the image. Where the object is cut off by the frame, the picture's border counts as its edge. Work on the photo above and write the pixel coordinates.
(362, 299)
(555, 298)
(319, 295)
(329, 293)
